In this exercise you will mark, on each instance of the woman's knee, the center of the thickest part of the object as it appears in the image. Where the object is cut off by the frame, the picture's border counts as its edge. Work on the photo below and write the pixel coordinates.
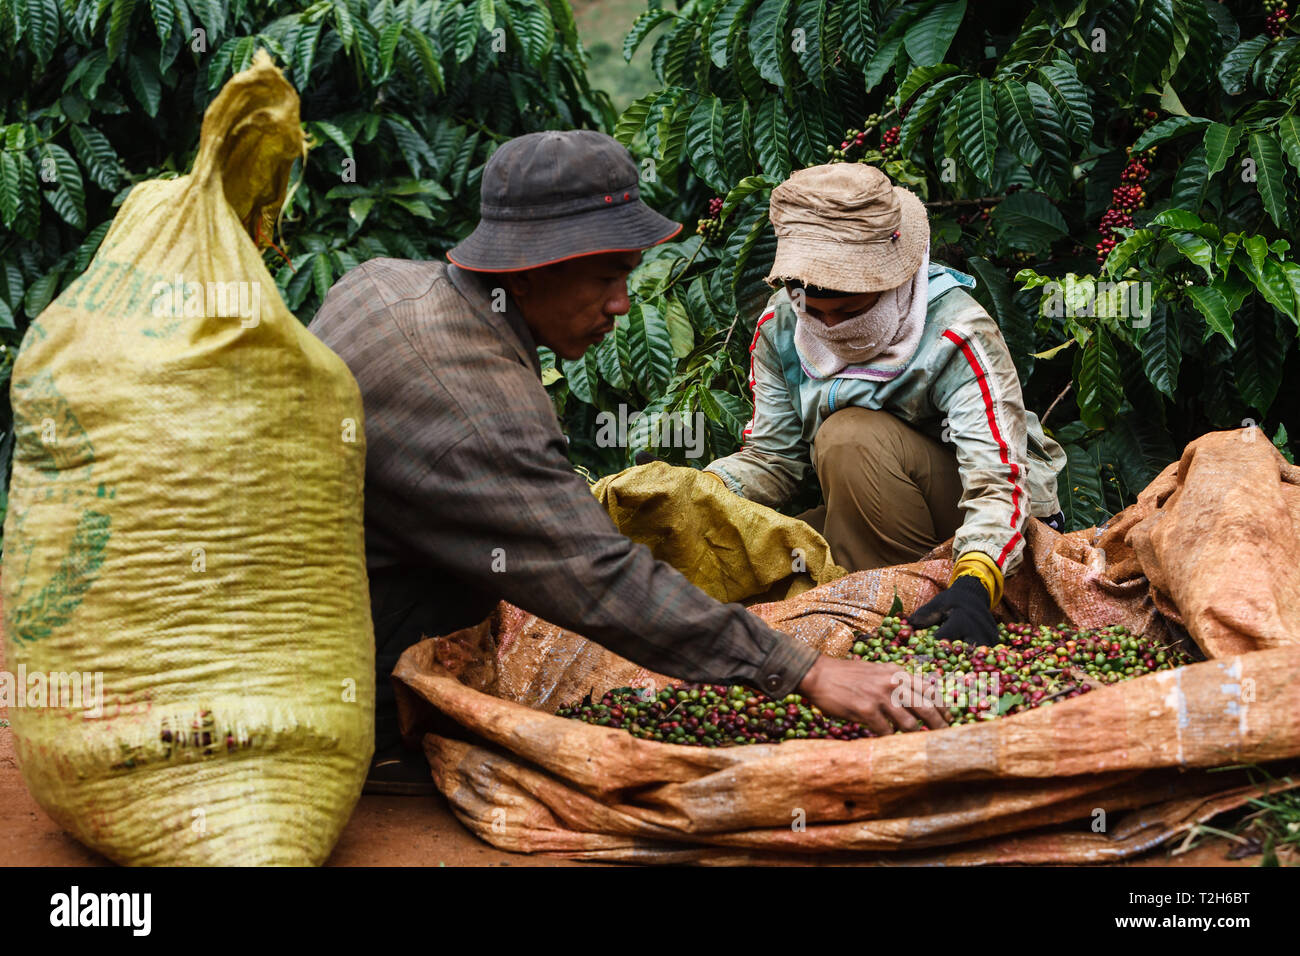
(858, 437)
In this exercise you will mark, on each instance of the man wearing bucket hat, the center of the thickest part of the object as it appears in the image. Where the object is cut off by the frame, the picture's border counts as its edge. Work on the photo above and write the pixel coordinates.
(470, 496)
(875, 369)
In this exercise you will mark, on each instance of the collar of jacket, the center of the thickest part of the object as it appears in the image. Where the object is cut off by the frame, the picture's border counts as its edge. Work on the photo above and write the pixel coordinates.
(478, 288)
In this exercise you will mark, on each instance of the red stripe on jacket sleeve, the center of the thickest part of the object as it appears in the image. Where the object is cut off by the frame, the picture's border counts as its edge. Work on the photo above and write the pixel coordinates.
(1004, 450)
(753, 386)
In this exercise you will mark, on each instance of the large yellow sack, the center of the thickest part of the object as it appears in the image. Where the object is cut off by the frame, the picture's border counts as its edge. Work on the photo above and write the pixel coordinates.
(733, 549)
(185, 523)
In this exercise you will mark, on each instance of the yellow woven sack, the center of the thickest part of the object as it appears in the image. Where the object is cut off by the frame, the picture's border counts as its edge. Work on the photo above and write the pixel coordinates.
(184, 542)
(731, 548)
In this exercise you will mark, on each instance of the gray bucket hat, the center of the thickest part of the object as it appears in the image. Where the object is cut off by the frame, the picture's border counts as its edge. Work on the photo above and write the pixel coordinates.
(557, 195)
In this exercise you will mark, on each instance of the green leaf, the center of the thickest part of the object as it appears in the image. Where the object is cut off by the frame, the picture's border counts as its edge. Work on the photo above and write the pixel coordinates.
(680, 331)
(164, 17)
(742, 191)
(325, 130)
(768, 39)
(69, 200)
(772, 137)
(728, 410)
(634, 118)
(858, 38)
(42, 26)
(1195, 249)
(704, 142)
(1190, 182)
(1028, 220)
(978, 127)
(810, 16)
(1288, 132)
(582, 375)
(10, 188)
(641, 28)
(346, 26)
(1061, 81)
(882, 62)
(429, 61)
(1016, 113)
(1273, 283)
(920, 78)
(650, 349)
(40, 293)
(534, 27)
(467, 29)
(1161, 350)
(612, 365)
(1008, 702)
(487, 14)
(730, 17)
(1211, 304)
(360, 208)
(1257, 359)
(808, 129)
(1185, 221)
(1220, 144)
(119, 22)
(928, 39)
(896, 608)
(97, 156)
(1270, 172)
(1051, 141)
(1099, 392)
(927, 106)
(1233, 69)
(678, 46)
(1169, 129)
(388, 40)
(146, 83)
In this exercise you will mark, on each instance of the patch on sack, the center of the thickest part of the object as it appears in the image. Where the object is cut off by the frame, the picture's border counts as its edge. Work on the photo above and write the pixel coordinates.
(46, 432)
(51, 607)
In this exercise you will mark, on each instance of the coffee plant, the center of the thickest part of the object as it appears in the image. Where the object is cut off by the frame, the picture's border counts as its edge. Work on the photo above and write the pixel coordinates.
(402, 103)
(1160, 137)
(1030, 667)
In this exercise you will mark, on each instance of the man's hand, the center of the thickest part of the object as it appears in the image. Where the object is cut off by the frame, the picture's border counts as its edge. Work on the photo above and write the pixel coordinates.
(881, 697)
(963, 610)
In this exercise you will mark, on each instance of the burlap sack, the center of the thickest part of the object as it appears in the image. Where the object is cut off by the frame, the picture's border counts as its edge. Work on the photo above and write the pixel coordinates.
(1100, 777)
(185, 528)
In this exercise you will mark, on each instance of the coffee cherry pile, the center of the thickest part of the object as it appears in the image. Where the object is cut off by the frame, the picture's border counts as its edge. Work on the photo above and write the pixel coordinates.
(711, 715)
(1275, 23)
(1034, 667)
(1127, 197)
(711, 226)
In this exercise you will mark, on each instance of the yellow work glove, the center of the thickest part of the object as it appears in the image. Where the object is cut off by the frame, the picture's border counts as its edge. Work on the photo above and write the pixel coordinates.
(979, 565)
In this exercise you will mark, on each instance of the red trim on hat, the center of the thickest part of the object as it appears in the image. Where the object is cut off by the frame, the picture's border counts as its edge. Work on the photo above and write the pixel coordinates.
(576, 255)
(1003, 449)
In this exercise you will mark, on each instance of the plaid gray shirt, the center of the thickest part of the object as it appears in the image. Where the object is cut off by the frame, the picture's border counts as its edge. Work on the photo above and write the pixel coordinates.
(470, 496)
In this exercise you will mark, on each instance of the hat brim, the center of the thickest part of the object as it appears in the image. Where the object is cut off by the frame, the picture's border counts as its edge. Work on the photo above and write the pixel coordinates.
(508, 245)
(855, 266)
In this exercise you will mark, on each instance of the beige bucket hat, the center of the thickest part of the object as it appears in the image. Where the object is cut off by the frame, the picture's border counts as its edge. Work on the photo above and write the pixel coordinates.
(845, 226)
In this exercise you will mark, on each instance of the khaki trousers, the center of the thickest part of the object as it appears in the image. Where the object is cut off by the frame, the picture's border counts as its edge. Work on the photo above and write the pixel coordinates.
(891, 492)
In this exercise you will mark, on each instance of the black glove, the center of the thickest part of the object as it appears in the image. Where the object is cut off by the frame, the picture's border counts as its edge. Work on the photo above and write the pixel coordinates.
(643, 457)
(964, 611)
